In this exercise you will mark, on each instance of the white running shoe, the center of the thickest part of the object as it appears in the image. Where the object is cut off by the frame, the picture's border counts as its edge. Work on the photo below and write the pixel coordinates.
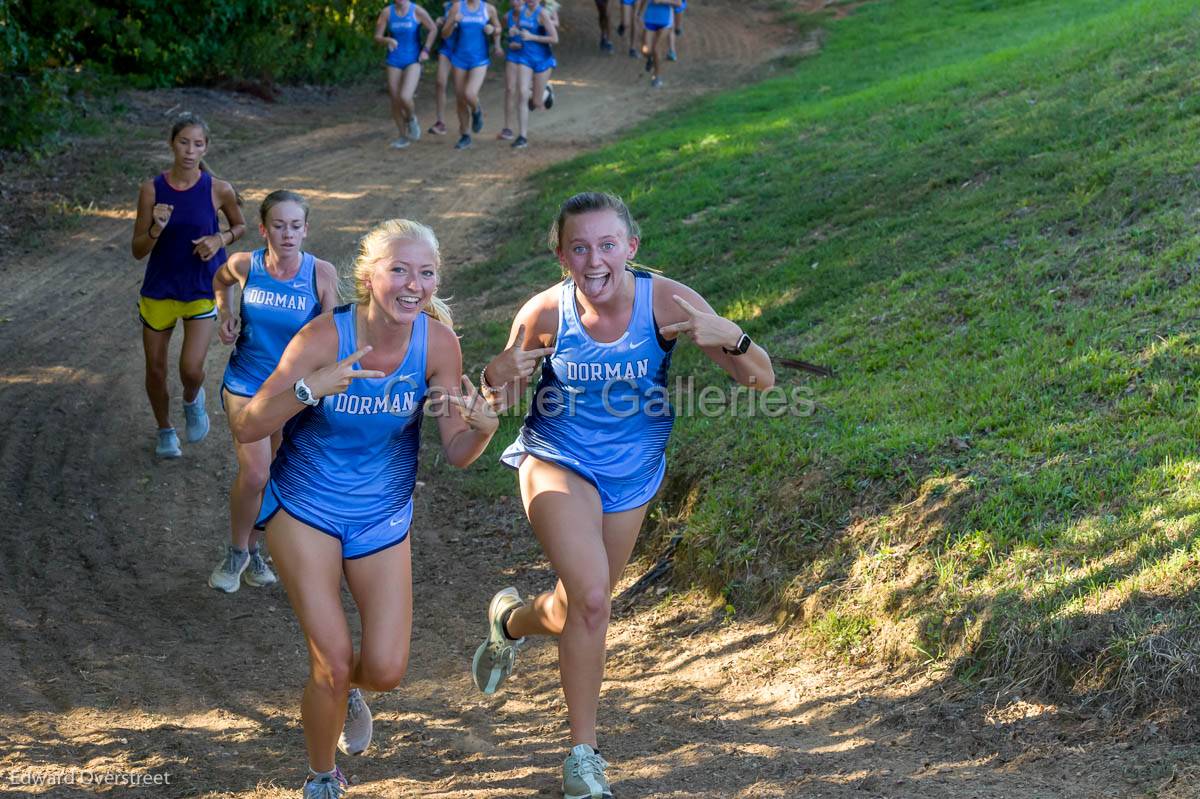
(227, 576)
(357, 731)
(168, 444)
(400, 143)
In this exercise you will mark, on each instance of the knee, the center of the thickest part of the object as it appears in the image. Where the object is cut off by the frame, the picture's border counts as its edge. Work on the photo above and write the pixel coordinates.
(592, 607)
(254, 476)
(156, 373)
(331, 673)
(382, 673)
(526, 93)
(471, 97)
(191, 375)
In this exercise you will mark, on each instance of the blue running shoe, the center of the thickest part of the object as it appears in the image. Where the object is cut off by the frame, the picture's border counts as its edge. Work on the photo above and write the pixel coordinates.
(477, 118)
(196, 416)
(168, 444)
(463, 143)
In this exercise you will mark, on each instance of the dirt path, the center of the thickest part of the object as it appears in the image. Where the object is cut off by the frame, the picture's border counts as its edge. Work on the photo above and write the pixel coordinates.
(118, 658)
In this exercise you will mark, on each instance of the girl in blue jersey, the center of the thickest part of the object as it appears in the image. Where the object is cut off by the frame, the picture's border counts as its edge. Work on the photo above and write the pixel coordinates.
(658, 20)
(398, 28)
(675, 31)
(444, 68)
(532, 30)
(350, 391)
(590, 455)
(473, 21)
(282, 289)
(178, 227)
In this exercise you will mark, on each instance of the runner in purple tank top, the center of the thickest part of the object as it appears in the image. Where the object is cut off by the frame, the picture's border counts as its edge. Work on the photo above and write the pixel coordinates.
(178, 227)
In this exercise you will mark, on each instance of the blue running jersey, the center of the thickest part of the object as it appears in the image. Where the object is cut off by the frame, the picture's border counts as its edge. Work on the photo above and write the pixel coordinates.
(407, 33)
(272, 312)
(658, 16)
(471, 49)
(446, 48)
(538, 55)
(602, 409)
(349, 465)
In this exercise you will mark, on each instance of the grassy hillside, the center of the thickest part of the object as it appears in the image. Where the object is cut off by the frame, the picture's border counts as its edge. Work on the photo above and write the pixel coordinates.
(982, 215)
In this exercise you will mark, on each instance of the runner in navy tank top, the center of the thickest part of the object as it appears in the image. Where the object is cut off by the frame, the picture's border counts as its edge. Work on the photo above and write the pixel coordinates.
(591, 454)
(351, 387)
(178, 227)
(398, 28)
(282, 289)
(471, 21)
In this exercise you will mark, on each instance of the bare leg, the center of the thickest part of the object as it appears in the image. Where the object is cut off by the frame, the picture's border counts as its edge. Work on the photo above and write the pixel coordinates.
(511, 90)
(408, 90)
(310, 565)
(382, 589)
(196, 335)
(395, 76)
(443, 76)
(254, 467)
(524, 94)
(588, 549)
(155, 344)
(462, 106)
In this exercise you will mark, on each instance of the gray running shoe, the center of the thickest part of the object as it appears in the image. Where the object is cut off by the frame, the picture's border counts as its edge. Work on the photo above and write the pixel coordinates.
(494, 658)
(357, 731)
(228, 574)
(258, 573)
(414, 128)
(583, 775)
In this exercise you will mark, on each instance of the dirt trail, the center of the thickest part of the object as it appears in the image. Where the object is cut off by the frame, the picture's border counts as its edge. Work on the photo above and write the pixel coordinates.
(118, 658)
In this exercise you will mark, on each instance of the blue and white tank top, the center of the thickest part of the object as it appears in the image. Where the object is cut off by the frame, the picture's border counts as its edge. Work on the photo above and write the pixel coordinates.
(353, 458)
(272, 312)
(472, 46)
(604, 404)
(407, 33)
(535, 52)
(659, 14)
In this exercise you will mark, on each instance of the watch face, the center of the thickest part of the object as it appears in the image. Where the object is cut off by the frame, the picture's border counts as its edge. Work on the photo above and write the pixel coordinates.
(744, 344)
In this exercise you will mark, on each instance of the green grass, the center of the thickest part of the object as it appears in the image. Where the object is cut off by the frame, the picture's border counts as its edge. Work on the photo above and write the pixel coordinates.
(983, 215)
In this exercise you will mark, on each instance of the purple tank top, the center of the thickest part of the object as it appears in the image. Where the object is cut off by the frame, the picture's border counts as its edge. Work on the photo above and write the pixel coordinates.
(174, 272)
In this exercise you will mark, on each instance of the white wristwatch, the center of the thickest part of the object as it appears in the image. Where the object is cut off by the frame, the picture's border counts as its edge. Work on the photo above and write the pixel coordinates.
(304, 393)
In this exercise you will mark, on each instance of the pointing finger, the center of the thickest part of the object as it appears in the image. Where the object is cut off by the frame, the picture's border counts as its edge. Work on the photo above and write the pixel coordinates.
(678, 327)
(519, 341)
(355, 357)
(540, 352)
(357, 373)
(684, 304)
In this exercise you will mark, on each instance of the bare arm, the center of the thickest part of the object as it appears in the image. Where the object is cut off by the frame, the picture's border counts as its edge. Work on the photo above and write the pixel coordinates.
(496, 31)
(312, 355)
(327, 286)
(530, 339)
(380, 27)
(427, 21)
(451, 22)
(679, 309)
(232, 273)
(466, 422)
(150, 221)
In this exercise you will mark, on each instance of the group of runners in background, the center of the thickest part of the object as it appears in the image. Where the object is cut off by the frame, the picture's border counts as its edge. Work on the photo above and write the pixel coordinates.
(469, 32)
(325, 403)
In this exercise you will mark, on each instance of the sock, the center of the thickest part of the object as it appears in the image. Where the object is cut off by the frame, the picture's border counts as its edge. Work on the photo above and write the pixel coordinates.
(504, 624)
(165, 429)
(316, 775)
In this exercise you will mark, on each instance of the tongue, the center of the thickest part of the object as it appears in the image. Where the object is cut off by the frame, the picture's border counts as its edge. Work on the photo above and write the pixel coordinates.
(596, 284)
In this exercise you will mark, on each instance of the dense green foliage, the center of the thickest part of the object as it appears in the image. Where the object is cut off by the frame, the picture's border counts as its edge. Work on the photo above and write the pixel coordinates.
(983, 214)
(53, 53)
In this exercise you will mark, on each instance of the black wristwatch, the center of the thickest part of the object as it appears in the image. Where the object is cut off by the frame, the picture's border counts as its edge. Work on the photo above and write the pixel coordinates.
(742, 345)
